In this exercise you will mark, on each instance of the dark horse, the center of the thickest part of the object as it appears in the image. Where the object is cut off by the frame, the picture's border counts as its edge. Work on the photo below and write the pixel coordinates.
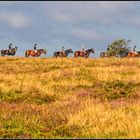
(35, 53)
(11, 51)
(83, 53)
(62, 53)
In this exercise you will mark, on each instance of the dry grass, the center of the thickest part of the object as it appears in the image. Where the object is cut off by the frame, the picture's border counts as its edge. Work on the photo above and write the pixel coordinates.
(69, 98)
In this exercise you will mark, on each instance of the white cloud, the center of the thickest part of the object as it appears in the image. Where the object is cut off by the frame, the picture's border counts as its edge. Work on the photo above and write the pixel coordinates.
(15, 20)
(102, 12)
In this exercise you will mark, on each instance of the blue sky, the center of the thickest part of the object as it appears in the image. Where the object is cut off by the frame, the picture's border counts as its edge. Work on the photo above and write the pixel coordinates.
(72, 24)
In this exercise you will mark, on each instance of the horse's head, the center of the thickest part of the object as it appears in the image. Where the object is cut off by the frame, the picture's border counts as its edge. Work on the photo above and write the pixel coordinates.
(70, 50)
(45, 51)
(16, 47)
(92, 50)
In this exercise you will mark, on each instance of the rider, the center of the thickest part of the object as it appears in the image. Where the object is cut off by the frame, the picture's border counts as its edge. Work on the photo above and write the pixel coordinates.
(35, 48)
(83, 48)
(63, 48)
(134, 49)
(10, 47)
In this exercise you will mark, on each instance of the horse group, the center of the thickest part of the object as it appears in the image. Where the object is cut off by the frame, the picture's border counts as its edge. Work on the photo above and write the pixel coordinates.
(79, 53)
(37, 53)
(127, 54)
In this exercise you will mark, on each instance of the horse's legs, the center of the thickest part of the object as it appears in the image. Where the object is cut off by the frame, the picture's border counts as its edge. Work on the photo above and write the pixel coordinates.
(128, 55)
(2, 54)
(75, 55)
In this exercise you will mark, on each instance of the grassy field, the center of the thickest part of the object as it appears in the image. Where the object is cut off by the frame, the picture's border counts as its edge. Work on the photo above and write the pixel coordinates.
(69, 98)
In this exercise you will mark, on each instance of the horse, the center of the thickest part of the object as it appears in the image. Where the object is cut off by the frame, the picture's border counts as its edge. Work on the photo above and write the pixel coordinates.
(83, 53)
(132, 54)
(62, 53)
(139, 53)
(11, 51)
(103, 54)
(35, 53)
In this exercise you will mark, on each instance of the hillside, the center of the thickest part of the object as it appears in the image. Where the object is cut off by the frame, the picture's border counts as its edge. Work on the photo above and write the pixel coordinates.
(69, 98)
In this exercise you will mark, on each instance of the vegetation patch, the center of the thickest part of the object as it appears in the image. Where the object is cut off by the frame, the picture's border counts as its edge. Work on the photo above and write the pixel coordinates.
(69, 98)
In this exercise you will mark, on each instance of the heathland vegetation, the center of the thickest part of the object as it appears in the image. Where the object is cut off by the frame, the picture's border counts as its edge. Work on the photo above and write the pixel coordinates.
(69, 97)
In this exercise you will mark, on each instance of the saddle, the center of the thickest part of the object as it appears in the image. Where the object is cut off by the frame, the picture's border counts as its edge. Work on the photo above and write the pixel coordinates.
(63, 53)
(35, 51)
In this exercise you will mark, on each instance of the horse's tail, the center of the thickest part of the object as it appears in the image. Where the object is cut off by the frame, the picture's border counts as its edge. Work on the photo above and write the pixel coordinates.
(55, 54)
(2, 53)
(26, 54)
(75, 54)
(126, 54)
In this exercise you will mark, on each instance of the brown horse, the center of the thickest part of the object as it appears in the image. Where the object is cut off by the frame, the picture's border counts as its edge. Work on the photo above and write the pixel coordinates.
(132, 54)
(83, 53)
(35, 53)
(62, 53)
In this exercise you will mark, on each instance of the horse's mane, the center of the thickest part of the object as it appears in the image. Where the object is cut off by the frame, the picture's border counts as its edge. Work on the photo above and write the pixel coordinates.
(86, 50)
(40, 49)
(67, 50)
(64, 51)
(89, 49)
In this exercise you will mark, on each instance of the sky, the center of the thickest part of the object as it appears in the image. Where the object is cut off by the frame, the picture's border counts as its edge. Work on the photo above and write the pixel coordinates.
(72, 24)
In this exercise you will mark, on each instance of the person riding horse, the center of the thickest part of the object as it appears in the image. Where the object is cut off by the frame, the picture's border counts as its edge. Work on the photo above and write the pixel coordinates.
(35, 46)
(63, 48)
(83, 49)
(10, 47)
(35, 49)
(134, 49)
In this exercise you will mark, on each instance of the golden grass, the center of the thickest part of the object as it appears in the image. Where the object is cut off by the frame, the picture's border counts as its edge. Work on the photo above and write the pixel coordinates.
(62, 98)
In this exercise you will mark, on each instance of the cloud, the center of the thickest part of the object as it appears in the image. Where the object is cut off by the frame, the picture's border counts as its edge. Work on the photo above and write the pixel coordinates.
(94, 12)
(14, 20)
